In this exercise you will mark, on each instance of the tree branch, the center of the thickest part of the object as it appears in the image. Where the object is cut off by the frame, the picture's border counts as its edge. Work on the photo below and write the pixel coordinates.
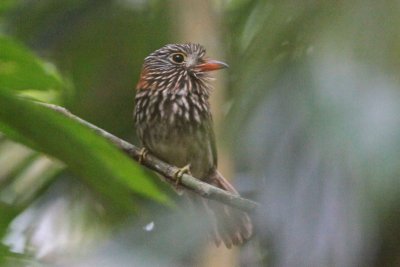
(166, 170)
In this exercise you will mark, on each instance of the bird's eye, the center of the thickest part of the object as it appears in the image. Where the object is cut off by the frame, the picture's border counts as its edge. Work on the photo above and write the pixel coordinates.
(178, 57)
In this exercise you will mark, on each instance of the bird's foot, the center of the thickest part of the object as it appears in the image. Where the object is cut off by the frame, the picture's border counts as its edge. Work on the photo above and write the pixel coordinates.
(179, 173)
(142, 154)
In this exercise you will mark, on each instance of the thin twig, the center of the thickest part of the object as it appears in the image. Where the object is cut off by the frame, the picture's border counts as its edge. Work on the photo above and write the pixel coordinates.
(166, 170)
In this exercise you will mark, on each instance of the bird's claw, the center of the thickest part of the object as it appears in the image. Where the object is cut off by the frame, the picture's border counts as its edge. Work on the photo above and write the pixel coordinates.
(142, 154)
(179, 173)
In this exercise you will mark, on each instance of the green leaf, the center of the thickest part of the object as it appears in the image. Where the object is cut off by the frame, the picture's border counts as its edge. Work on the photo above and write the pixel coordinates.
(85, 153)
(6, 5)
(23, 71)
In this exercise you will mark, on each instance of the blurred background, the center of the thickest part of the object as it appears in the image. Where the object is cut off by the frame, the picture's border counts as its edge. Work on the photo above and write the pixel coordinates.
(307, 120)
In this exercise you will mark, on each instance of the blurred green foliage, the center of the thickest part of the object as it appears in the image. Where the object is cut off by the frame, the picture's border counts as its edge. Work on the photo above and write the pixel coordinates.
(97, 160)
(26, 175)
(20, 70)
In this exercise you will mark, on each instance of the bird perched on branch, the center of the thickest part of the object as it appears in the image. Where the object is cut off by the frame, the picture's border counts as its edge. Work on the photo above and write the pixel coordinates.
(173, 121)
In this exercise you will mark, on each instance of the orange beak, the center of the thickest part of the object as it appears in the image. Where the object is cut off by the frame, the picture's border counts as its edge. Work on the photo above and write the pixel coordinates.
(210, 65)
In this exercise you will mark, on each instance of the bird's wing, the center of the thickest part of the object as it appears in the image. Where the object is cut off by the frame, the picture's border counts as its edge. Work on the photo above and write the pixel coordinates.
(211, 137)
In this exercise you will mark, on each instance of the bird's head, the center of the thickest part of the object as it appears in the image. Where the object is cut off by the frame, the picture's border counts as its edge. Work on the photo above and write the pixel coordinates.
(178, 68)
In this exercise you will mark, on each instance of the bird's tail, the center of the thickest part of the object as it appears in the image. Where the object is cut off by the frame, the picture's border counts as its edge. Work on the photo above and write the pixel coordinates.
(230, 225)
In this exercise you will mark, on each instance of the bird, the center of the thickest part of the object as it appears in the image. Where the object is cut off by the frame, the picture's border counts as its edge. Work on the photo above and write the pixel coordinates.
(173, 121)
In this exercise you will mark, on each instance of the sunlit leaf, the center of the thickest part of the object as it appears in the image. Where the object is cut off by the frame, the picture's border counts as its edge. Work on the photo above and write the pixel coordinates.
(83, 151)
(23, 71)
